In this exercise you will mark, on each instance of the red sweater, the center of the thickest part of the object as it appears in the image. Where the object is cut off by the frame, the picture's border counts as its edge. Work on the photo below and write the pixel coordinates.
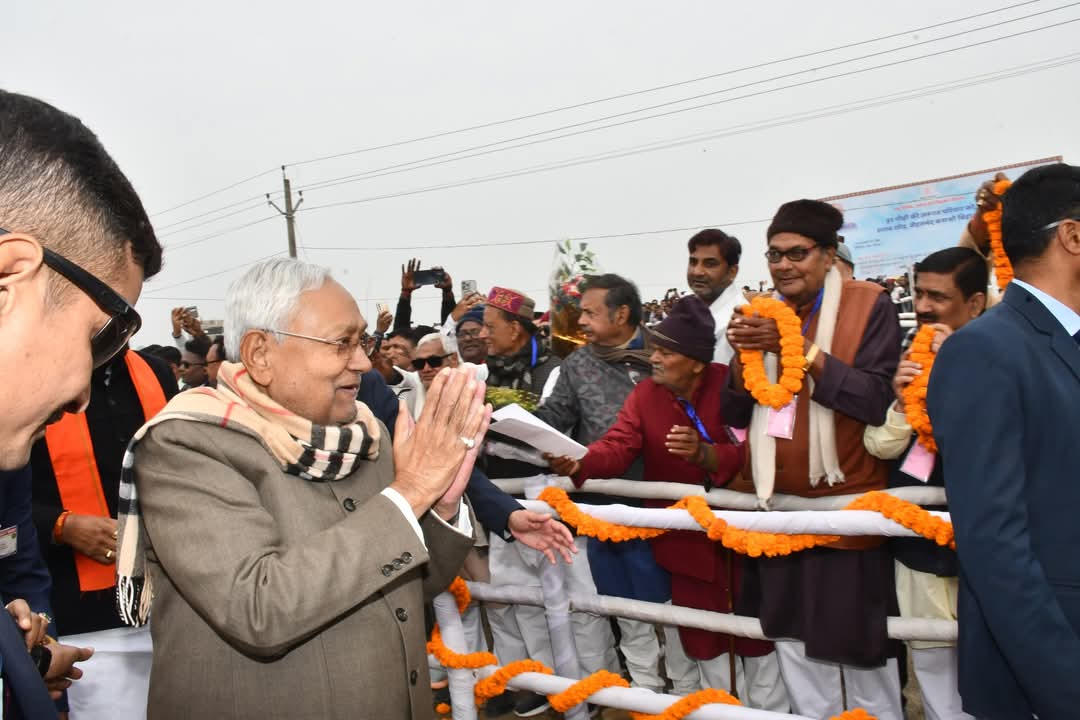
(698, 566)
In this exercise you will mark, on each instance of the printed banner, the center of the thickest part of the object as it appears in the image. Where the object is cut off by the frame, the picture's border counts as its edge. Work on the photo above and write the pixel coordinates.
(889, 229)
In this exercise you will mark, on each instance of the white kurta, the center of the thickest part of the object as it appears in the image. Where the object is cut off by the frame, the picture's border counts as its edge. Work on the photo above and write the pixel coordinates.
(721, 309)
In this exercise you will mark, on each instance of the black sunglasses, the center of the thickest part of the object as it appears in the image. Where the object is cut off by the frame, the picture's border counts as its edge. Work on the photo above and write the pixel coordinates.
(432, 362)
(123, 321)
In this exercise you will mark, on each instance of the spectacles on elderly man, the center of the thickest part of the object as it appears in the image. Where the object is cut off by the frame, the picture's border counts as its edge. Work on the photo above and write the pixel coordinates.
(123, 321)
(345, 347)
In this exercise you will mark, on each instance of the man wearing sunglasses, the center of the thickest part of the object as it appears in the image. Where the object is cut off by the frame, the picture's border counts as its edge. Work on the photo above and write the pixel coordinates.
(431, 356)
(75, 247)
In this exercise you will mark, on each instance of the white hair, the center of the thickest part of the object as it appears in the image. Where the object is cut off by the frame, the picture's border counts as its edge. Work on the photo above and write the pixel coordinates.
(265, 297)
(434, 337)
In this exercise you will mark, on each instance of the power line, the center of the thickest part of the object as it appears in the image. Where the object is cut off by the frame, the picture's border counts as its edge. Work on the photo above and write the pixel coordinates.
(492, 147)
(213, 192)
(241, 211)
(564, 108)
(213, 274)
(204, 238)
(736, 130)
(657, 88)
(260, 199)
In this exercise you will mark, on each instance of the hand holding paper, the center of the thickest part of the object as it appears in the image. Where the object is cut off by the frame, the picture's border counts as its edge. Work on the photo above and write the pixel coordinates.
(516, 422)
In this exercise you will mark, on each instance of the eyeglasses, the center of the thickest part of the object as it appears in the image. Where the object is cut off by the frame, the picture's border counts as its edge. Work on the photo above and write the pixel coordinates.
(1053, 225)
(345, 348)
(432, 362)
(468, 334)
(184, 364)
(795, 254)
(123, 321)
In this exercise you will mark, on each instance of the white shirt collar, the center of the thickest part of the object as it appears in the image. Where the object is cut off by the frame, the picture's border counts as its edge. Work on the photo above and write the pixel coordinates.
(1064, 314)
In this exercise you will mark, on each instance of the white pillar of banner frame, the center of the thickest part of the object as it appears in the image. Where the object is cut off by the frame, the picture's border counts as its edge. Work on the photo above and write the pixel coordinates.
(557, 613)
(462, 681)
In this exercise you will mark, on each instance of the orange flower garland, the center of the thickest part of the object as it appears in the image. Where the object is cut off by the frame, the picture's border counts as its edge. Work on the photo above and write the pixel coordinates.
(790, 382)
(1003, 270)
(690, 703)
(442, 709)
(907, 514)
(753, 542)
(569, 512)
(495, 684)
(856, 714)
(915, 392)
(461, 593)
(583, 689)
(450, 659)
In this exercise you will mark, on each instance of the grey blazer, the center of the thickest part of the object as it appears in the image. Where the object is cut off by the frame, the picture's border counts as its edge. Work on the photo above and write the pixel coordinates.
(278, 597)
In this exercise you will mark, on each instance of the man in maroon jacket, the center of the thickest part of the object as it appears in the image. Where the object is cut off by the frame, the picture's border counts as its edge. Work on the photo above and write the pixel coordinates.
(673, 422)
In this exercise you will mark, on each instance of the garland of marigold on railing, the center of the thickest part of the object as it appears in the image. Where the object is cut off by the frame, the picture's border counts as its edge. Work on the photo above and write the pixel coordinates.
(790, 381)
(1003, 269)
(753, 542)
(690, 703)
(585, 688)
(915, 392)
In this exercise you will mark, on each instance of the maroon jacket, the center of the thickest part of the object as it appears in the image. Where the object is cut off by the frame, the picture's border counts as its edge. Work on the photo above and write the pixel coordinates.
(698, 566)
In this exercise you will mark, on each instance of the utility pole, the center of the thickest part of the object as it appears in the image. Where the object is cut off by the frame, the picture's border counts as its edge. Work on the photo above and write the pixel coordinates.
(289, 212)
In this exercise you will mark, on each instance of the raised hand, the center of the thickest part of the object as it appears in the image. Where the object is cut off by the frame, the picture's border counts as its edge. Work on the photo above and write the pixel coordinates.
(408, 284)
(430, 455)
(543, 533)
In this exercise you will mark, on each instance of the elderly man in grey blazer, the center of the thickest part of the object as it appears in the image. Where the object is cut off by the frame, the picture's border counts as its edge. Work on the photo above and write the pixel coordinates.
(288, 545)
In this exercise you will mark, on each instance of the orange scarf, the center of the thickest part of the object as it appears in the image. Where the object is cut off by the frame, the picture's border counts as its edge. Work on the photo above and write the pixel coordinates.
(76, 470)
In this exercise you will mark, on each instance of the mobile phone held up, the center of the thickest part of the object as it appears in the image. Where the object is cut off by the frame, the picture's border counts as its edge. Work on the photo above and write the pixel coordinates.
(429, 277)
(468, 287)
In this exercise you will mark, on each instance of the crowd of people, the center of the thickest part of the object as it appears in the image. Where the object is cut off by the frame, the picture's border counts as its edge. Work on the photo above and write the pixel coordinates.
(284, 499)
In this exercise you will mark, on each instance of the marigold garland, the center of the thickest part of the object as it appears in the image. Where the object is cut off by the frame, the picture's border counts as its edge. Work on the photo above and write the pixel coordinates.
(461, 593)
(915, 392)
(792, 360)
(856, 714)
(450, 659)
(907, 514)
(1003, 270)
(590, 526)
(753, 542)
(495, 684)
(585, 688)
(690, 703)
(442, 709)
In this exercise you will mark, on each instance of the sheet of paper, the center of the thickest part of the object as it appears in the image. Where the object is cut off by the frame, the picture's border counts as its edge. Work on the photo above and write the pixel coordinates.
(518, 423)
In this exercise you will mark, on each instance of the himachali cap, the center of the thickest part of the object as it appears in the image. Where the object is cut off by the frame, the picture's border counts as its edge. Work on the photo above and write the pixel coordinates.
(513, 302)
(689, 329)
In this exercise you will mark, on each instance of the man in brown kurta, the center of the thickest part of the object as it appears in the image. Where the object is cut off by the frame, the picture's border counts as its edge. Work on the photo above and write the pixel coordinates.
(831, 601)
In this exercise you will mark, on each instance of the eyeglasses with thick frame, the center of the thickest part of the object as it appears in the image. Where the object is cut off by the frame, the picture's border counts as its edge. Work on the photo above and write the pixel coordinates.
(345, 348)
(795, 254)
(435, 361)
(469, 334)
(123, 320)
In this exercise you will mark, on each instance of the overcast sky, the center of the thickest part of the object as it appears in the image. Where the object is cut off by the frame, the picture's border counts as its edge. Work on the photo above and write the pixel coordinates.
(193, 97)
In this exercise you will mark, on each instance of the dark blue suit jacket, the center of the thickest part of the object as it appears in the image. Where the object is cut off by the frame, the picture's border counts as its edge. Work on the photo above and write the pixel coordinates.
(491, 505)
(1004, 400)
(23, 575)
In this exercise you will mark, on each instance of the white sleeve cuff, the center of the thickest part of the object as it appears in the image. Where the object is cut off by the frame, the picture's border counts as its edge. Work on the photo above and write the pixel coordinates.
(463, 525)
(897, 420)
(395, 497)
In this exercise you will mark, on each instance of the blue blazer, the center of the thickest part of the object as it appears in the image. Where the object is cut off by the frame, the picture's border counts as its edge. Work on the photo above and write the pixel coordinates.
(1004, 400)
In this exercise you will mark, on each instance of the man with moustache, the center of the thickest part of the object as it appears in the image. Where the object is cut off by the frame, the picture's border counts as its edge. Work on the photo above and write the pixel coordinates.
(831, 602)
(75, 247)
(710, 273)
(950, 291)
(594, 382)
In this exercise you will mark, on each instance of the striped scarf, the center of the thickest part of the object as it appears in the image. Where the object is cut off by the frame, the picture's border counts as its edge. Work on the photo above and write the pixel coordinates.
(313, 452)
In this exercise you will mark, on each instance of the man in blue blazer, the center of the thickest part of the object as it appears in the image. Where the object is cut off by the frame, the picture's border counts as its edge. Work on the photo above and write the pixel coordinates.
(1004, 400)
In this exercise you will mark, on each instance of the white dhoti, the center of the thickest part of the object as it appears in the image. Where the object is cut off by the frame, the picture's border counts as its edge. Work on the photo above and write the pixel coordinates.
(116, 680)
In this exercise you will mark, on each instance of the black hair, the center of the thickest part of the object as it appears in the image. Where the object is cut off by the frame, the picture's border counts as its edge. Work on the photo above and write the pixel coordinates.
(198, 346)
(169, 354)
(620, 291)
(527, 325)
(1039, 197)
(967, 267)
(730, 248)
(58, 184)
(418, 332)
(219, 343)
